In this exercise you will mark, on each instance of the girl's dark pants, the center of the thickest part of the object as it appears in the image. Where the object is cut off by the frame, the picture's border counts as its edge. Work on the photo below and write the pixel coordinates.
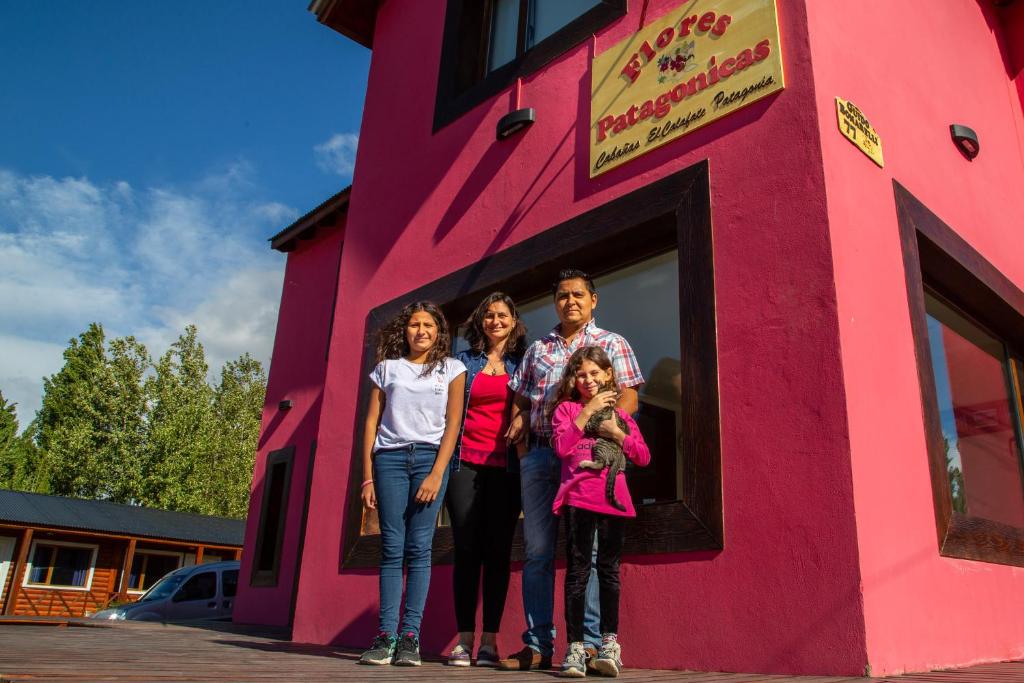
(580, 526)
(484, 504)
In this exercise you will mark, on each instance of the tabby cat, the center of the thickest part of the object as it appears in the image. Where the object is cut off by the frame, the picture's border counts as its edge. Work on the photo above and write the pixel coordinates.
(606, 452)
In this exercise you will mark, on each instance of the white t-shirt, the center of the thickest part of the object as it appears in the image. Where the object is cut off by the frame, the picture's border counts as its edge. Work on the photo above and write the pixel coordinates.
(415, 405)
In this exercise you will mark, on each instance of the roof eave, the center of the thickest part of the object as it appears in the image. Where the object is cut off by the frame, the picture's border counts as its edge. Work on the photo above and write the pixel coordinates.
(304, 226)
(354, 19)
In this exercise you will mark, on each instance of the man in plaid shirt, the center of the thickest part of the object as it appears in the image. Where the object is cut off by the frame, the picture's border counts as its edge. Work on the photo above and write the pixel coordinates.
(534, 383)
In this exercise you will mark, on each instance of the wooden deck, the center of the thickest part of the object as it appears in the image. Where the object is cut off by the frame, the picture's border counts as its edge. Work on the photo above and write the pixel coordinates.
(74, 651)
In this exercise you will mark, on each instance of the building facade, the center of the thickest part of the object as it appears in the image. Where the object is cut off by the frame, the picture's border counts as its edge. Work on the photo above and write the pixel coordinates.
(66, 557)
(820, 274)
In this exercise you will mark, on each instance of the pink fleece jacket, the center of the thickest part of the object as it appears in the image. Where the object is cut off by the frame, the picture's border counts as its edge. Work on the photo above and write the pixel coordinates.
(584, 488)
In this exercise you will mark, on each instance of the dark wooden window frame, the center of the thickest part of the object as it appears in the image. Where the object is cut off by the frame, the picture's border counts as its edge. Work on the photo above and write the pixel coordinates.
(672, 213)
(935, 256)
(268, 578)
(453, 101)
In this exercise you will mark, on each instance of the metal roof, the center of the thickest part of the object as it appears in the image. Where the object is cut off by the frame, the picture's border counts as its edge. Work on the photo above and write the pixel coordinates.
(34, 509)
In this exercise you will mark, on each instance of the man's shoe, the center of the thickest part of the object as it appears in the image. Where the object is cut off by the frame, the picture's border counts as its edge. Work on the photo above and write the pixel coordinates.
(459, 656)
(407, 653)
(382, 651)
(525, 660)
(575, 664)
(487, 656)
(609, 657)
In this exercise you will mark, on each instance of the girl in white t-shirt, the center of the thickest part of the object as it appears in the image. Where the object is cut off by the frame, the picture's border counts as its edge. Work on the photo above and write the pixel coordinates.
(411, 428)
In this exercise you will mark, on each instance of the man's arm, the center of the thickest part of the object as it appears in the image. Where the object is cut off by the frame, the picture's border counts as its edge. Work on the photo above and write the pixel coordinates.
(629, 400)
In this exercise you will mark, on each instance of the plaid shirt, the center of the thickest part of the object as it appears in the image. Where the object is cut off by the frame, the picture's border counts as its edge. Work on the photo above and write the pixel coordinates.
(541, 370)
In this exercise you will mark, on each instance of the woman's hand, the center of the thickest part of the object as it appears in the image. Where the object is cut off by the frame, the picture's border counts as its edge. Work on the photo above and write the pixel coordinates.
(429, 489)
(369, 497)
(600, 401)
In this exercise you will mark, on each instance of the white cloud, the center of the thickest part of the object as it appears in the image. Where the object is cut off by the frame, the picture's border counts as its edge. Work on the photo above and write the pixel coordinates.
(143, 261)
(338, 154)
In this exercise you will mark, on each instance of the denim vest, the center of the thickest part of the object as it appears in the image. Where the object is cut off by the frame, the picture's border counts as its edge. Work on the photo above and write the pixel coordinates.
(475, 362)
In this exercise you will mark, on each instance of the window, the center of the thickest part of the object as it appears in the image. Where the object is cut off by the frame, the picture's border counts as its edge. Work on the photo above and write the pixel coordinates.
(61, 565)
(968, 325)
(976, 394)
(199, 587)
(273, 511)
(149, 566)
(229, 582)
(656, 243)
(489, 43)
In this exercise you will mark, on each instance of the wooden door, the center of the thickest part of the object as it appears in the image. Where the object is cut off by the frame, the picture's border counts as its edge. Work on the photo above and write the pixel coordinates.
(6, 553)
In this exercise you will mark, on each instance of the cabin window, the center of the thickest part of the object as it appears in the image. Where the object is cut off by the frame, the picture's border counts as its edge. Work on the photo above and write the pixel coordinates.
(148, 566)
(489, 43)
(61, 565)
(968, 324)
(653, 245)
(273, 511)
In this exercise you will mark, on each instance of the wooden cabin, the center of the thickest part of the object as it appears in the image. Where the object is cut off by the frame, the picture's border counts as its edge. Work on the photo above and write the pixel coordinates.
(70, 557)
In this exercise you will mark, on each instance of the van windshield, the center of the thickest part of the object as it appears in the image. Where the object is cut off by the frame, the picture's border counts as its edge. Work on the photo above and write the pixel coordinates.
(164, 588)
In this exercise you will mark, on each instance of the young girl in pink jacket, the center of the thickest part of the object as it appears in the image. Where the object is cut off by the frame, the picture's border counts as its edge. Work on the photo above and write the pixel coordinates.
(587, 387)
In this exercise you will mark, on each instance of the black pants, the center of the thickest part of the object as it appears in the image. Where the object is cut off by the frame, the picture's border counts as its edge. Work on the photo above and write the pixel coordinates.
(484, 506)
(580, 527)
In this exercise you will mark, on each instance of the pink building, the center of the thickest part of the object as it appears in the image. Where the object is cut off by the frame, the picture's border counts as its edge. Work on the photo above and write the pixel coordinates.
(825, 296)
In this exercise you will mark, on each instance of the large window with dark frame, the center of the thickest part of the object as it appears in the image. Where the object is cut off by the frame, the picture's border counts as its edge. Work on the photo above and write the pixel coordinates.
(652, 245)
(273, 513)
(489, 43)
(968, 324)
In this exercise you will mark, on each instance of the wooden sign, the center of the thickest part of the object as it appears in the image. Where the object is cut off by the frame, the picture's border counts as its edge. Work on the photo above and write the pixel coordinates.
(857, 129)
(694, 65)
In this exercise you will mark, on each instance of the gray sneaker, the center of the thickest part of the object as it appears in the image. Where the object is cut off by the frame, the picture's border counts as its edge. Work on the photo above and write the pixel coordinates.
(575, 664)
(408, 651)
(382, 651)
(609, 658)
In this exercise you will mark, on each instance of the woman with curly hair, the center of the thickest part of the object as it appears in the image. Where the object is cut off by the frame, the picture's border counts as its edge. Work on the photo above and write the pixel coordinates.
(483, 493)
(412, 425)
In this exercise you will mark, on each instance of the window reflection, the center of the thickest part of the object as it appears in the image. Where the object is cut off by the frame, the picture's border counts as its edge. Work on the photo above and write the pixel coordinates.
(977, 415)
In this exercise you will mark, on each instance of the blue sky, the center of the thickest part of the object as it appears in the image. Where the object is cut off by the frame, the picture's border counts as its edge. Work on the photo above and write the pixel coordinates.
(147, 150)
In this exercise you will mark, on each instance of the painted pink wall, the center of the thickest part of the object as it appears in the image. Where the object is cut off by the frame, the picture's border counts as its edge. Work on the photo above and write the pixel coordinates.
(296, 372)
(917, 67)
(784, 594)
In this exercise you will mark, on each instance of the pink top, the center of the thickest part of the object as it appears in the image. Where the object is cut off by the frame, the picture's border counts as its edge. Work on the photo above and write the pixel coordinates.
(487, 418)
(584, 488)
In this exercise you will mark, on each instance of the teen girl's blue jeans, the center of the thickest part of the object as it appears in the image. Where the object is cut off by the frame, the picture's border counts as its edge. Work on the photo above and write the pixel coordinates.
(406, 532)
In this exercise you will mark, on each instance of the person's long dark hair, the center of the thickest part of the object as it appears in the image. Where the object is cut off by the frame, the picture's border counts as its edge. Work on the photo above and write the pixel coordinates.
(567, 390)
(392, 342)
(477, 339)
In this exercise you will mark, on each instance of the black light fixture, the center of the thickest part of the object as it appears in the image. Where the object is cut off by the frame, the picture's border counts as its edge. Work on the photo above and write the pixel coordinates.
(515, 121)
(285, 404)
(966, 140)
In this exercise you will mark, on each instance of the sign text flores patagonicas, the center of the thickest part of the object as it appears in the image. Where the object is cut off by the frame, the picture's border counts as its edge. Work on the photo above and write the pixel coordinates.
(696, 64)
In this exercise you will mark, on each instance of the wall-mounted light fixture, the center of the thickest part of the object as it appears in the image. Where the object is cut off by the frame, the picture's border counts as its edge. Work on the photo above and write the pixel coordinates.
(966, 140)
(285, 404)
(515, 121)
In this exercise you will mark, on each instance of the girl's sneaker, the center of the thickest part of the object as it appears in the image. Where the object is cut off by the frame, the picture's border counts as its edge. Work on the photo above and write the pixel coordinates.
(575, 664)
(487, 656)
(609, 658)
(382, 651)
(459, 656)
(407, 653)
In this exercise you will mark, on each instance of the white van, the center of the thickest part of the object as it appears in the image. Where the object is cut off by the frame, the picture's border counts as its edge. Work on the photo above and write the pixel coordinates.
(203, 591)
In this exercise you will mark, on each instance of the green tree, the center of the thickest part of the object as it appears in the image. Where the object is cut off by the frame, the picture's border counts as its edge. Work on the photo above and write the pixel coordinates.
(17, 452)
(179, 432)
(237, 408)
(75, 420)
(124, 460)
